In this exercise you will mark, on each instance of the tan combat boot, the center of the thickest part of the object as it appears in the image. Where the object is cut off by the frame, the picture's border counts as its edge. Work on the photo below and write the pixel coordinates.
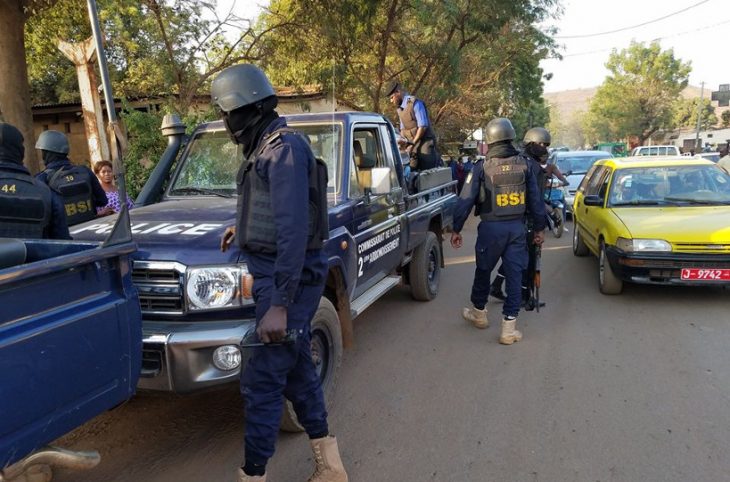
(477, 317)
(509, 334)
(242, 477)
(327, 457)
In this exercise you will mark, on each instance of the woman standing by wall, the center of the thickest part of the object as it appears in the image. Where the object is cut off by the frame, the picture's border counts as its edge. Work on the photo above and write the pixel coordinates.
(105, 174)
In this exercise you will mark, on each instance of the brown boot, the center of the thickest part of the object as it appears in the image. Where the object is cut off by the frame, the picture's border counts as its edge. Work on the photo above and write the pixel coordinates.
(327, 457)
(509, 334)
(242, 477)
(477, 317)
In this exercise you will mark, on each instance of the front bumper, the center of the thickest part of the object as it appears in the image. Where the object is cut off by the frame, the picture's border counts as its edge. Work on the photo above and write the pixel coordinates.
(664, 268)
(178, 356)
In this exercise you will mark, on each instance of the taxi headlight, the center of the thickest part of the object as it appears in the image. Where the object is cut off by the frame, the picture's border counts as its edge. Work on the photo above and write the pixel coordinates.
(216, 287)
(630, 245)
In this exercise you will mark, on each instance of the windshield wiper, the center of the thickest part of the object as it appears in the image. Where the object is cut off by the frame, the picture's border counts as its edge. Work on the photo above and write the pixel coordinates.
(199, 190)
(699, 201)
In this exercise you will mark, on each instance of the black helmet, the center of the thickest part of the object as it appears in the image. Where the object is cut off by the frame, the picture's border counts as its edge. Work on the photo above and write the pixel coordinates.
(52, 141)
(239, 86)
(500, 129)
(11, 144)
(392, 87)
(537, 135)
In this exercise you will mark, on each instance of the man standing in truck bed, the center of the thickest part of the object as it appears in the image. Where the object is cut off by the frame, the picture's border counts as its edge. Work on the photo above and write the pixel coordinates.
(281, 223)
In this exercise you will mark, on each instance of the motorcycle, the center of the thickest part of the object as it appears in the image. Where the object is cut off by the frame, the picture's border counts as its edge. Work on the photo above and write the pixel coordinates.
(555, 206)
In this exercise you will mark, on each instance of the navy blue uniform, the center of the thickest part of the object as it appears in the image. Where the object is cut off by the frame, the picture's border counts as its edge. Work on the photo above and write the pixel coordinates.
(97, 192)
(294, 277)
(499, 239)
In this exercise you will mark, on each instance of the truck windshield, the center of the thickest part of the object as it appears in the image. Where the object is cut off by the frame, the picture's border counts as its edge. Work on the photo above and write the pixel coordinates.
(213, 160)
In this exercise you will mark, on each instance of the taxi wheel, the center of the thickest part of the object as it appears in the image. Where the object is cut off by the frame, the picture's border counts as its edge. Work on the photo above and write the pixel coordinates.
(608, 282)
(579, 246)
(326, 355)
(424, 270)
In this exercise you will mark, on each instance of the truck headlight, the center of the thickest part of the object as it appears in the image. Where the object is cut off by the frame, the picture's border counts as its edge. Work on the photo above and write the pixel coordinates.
(216, 287)
(630, 245)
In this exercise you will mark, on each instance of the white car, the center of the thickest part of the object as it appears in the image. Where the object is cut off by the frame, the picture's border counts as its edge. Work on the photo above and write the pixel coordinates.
(574, 165)
(656, 151)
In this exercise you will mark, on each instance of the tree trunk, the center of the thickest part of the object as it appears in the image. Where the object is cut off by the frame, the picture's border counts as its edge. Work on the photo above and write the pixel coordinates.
(15, 105)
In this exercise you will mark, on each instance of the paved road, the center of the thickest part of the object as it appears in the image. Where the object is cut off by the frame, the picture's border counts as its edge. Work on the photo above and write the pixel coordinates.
(634, 387)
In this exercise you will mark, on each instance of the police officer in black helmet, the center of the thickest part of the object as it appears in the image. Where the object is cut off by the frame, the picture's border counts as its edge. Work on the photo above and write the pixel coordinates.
(78, 185)
(281, 225)
(28, 208)
(504, 190)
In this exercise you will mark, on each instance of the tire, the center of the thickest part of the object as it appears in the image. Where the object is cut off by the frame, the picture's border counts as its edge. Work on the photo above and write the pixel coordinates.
(558, 228)
(579, 246)
(424, 270)
(608, 282)
(327, 356)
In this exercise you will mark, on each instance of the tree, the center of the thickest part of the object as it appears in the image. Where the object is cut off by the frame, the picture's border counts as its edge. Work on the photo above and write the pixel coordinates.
(725, 116)
(685, 113)
(14, 91)
(639, 94)
(469, 61)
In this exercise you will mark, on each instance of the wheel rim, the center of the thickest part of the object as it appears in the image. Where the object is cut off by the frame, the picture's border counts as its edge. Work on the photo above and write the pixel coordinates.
(433, 268)
(321, 353)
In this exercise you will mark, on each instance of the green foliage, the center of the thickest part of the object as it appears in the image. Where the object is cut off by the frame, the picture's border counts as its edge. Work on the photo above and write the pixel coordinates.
(685, 113)
(146, 145)
(725, 116)
(638, 96)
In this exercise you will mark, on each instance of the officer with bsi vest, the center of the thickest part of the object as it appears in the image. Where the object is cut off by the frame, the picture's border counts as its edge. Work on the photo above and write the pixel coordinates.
(503, 190)
(28, 208)
(281, 224)
(78, 185)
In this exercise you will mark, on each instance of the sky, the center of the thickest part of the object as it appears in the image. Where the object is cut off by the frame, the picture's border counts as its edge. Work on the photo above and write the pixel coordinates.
(700, 34)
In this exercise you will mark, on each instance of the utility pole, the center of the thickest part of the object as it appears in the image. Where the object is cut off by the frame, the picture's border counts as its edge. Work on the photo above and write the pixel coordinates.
(699, 118)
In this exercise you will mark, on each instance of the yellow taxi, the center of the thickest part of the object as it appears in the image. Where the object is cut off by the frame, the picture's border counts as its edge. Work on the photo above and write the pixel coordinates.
(658, 220)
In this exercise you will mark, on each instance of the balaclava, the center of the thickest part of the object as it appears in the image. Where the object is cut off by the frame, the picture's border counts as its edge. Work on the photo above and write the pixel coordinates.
(11, 144)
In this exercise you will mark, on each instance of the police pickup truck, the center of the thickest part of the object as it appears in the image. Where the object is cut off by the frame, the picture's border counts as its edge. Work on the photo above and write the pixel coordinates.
(196, 300)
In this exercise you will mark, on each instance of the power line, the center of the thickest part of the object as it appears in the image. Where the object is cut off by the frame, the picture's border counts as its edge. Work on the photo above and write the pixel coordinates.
(655, 39)
(633, 26)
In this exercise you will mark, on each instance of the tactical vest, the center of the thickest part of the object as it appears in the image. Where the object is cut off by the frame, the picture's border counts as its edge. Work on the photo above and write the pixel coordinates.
(74, 185)
(503, 192)
(410, 124)
(255, 226)
(25, 206)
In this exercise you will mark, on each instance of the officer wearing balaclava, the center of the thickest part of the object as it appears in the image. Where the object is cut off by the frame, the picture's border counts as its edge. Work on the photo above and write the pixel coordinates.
(28, 208)
(281, 224)
(78, 185)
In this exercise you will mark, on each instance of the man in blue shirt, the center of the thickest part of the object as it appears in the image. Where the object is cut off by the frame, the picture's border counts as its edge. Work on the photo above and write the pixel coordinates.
(504, 190)
(415, 127)
(281, 225)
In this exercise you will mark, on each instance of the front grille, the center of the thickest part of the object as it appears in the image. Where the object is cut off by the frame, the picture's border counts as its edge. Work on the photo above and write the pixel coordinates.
(678, 265)
(701, 248)
(160, 287)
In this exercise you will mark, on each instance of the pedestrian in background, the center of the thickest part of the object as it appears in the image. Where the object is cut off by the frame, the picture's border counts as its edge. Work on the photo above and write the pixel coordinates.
(28, 208)
(78, 186)
(416, 128)
(503, 189)
(105, 174)
(281, 223)
(724, 161)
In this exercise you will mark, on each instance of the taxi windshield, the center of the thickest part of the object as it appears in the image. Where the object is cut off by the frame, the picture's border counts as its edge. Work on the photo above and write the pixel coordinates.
(212, 161)
(675, 185)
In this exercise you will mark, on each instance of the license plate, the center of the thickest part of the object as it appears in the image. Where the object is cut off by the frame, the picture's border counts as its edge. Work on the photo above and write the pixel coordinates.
(706, 274)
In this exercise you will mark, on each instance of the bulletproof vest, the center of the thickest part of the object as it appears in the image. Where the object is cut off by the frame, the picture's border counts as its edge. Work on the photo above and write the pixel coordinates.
(74, 185)
(25, 206)
(410, 124)
(504, 189)
(255, 226)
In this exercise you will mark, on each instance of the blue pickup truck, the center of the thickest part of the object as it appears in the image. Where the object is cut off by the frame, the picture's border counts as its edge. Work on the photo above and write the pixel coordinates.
(70, 346)
(195, 302)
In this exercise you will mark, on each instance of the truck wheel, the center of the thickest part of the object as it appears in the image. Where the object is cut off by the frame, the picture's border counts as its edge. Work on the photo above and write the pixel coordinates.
(608, 282)
(579, 246)
(424, 270)
(327, 356)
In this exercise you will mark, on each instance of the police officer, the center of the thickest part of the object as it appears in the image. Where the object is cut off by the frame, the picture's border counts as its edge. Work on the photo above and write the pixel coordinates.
(28, 208)
(536, 142)
(504, 190)
(80, 188)
(415, 127)
(281, 225)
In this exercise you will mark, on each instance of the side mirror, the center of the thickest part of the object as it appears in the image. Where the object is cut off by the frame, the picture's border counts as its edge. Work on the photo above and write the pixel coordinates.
(380, 180)
(593, 201)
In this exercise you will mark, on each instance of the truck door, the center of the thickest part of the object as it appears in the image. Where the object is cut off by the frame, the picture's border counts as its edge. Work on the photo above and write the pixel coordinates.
(376, 227)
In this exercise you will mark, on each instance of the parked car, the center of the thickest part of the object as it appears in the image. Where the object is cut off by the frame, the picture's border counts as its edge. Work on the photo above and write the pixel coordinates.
(574, 165)
(656, 151)
(659, 220)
